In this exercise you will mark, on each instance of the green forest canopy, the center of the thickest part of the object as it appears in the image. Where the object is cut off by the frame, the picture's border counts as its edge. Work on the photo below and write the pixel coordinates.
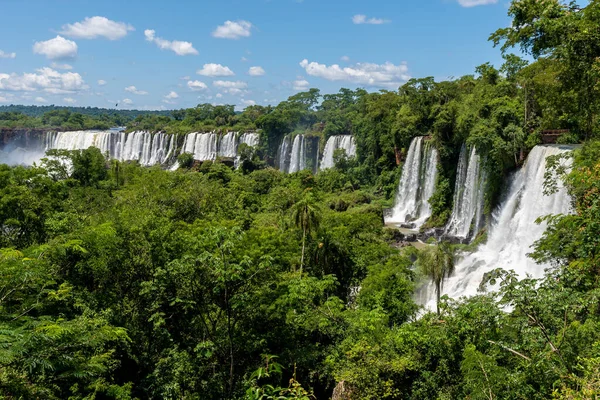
(118, 281)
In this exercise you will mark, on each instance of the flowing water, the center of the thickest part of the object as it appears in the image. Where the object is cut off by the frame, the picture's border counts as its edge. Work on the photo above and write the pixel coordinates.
(514, 230)
(417, 184)
(467, 211)
(345, 142)
(298, 155)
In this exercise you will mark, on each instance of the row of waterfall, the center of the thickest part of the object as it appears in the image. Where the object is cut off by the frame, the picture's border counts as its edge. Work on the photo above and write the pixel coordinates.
(295, 153)
(145, 147)
(417, 184)
(467, 212)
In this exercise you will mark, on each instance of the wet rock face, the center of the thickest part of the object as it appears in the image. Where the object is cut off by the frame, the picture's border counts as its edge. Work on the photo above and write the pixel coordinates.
(24, 138)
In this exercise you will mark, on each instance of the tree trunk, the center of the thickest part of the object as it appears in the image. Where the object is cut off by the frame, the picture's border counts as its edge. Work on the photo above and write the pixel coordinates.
(303, 243)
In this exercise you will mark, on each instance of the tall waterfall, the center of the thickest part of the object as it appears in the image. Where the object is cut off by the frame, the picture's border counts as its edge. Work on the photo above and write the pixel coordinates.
(417, 184)
(345, 142)
(228, 145)
(298, 157)
(467, 212)
(284, 154)
(514, 230)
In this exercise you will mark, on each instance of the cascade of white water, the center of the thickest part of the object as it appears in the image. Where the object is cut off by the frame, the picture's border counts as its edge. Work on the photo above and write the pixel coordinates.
(251, 139)
(467, 211)
(228, 145)
(205, 147)
(284, 154)
(345, 142)
(298, 155)
(417, 184)
(514, 230)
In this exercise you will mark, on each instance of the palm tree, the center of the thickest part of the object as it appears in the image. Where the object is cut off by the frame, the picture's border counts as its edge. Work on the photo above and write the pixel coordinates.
(437, 263)
(306, 216)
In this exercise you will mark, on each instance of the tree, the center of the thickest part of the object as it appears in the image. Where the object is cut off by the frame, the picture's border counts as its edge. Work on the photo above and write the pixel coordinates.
(437, 263)
(306, 216)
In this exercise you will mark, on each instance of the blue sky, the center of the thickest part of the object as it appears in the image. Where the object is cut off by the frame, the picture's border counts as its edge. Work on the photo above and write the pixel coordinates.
(173, 54)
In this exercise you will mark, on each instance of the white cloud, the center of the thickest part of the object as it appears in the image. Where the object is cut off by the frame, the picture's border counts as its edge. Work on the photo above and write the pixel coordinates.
(134, 90)
(40, 100)
(180, 48)
(56, 48)
(70, 100)
(230, 84)
(44, 79)
(127, 101)
(244, 59)
(379, 75)
(473, 3)
(360, 19)
(197, 85)
(172, 95)
(300, 84)
(219, 95)
(185, 78)
(234, 88)
(7, 55)
(101, 82)
(256, 71)
(61, 66)
(233, 30)
(215, 70)
(170, 98)
(91, 28)
(345, 58)
(248, 102)
(3, 99)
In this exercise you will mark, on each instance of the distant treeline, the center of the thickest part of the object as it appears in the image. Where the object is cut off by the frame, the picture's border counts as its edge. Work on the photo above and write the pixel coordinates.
(37, 111)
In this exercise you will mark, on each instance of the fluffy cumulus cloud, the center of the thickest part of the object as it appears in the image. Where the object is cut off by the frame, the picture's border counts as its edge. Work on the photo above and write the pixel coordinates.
(69, 100)
(377, 75)
(127, 101)
(40, 100)
(44, 79)
(300, 84)
(233, 30)
(215, 70)
(197, 85)
(170, 98)
(219, 95)
(234, 88)
(178, 47)
(101, 82)
(248, 102)
(94, 27)
(256, 71)
(473, 3)
(7, 55)
(134, 90)
(360, 19)
(345, 58)
(57, 48)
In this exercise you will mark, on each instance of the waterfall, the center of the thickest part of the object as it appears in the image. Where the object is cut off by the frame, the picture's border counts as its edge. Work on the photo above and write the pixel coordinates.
(417, 184)
(467, 211)
(345, 142)
(298, 157)
(202, 145)
(514, 230)
(251, 139)
(284, 154)
(228, 145)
